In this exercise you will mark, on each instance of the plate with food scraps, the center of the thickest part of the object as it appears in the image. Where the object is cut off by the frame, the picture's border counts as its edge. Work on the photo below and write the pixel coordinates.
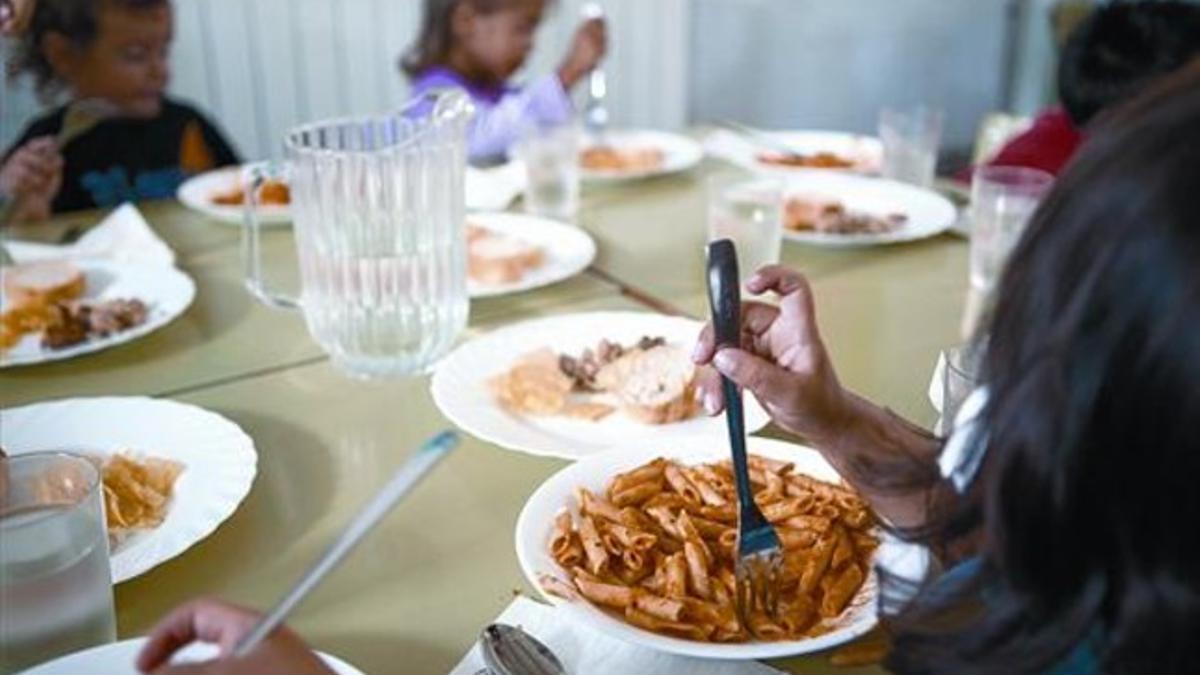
(652, 577)
(635, 154)
(511, 252)
(199, 462)
(571, 385)
(220, 194)
(52, 310)
(811, 150)
(844, 210)
(120, 658)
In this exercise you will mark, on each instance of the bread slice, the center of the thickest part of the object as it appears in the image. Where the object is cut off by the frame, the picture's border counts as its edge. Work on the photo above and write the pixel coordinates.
(42, 283)
(654, 386)
(496, 259)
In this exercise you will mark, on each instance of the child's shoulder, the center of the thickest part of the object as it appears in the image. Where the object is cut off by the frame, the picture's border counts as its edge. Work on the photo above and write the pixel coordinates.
(46, 124)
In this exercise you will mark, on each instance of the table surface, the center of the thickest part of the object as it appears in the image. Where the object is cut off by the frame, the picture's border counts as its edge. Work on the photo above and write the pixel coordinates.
(414, 596)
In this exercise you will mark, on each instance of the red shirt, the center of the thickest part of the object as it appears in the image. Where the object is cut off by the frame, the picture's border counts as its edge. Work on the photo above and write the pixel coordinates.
(1047, 145)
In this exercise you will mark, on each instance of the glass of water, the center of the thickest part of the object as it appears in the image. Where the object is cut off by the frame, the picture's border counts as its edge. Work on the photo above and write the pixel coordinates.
(55, 582)
(377, 206)
(1002, 200)
(749, 211)
(551, 158)
(910, 144)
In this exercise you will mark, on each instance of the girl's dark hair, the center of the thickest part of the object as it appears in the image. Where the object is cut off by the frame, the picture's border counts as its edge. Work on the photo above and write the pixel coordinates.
(1120, 48)
(77, 20)
(432, 47)
(1086, 505)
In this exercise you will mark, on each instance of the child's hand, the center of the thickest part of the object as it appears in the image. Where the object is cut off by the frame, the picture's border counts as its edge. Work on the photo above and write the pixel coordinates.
(587, 49)
(32, 177)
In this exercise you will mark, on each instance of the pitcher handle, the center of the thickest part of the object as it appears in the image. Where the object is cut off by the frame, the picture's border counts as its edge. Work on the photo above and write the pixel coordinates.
(252, 238)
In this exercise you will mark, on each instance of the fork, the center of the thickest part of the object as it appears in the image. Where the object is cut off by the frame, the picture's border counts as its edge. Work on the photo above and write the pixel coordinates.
(759, 554)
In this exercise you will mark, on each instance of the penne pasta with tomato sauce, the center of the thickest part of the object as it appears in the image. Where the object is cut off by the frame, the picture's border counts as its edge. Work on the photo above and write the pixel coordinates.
(656, 548)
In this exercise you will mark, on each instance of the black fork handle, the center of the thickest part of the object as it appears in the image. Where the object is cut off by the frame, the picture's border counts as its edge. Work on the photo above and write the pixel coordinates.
(724, 298)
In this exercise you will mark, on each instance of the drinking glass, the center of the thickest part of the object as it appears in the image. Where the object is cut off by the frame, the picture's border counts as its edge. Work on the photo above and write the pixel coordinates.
(960, 377)
(749, 211)
(551, 158)
(55, 582)
(910, 144)
(377, 206)
(1002, 200)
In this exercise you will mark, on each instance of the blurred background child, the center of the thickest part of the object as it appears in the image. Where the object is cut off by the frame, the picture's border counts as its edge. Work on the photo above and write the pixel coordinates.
(478, 45)
(113, 53)
(1108, 59)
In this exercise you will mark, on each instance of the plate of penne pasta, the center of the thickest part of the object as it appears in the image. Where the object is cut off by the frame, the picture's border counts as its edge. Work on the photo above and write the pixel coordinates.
(639, 544)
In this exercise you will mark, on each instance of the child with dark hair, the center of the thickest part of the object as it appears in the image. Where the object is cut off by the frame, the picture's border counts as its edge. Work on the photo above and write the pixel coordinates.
(477, 45)
(1108, 59)
(113, 53)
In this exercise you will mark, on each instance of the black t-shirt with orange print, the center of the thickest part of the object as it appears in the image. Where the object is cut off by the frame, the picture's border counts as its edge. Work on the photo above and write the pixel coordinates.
(124, 160)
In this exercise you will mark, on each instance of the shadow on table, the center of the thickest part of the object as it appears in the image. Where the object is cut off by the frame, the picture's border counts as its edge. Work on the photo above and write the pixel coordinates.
(291, 492)
(387, 653)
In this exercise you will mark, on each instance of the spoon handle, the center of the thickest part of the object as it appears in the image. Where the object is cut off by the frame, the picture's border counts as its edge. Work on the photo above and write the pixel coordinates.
(408, 476)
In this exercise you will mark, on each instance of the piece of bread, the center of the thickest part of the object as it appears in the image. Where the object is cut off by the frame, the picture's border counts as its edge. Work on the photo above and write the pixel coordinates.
(42, 283)
(497, 259)
(654, 386)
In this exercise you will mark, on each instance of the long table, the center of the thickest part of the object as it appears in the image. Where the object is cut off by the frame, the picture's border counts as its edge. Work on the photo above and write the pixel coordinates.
(413, 598)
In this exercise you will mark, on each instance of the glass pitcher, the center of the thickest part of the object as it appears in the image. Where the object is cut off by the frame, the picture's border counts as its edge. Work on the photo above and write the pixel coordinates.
(377, 207)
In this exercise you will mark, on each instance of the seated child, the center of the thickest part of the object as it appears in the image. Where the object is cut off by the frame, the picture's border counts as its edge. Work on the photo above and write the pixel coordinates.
(477, 45)
(1108, 59)
(112, 53)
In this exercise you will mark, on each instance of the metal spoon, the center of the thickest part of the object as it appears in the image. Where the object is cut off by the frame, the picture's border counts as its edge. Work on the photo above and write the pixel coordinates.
(508, 650)
(595, 114)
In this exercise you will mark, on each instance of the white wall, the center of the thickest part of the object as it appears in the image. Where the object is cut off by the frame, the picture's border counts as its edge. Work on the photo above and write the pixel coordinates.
(261, 66)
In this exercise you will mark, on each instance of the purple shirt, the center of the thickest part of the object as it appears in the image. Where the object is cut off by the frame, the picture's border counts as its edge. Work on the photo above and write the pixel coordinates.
(502, 112)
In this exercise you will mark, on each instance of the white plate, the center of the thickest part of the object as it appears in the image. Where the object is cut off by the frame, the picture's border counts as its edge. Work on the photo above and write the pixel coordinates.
(680, 153)
(461, 392)
(536, 521)
(119, 659)
(865, 151)
(568, 250)
(928, 212)
(218, 458)
(166, 291)
(197, 194)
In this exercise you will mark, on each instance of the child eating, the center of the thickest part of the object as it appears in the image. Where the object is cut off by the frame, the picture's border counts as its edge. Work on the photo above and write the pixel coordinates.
(110, 57)
(477, 45)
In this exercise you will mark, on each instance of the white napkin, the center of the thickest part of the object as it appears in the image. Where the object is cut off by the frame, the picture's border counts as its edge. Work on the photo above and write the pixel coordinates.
(494, 188)
(123, 236)
(583, 650)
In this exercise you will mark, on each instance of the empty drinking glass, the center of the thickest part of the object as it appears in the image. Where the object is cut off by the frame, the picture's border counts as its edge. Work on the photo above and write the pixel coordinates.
(55, 582)
(749, 211)
(960, 377)
(551, 158)
(910, 144)
(1002, 200)
(377, 206)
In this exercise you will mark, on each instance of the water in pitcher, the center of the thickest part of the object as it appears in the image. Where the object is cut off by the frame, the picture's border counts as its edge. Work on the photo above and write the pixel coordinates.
(55, 585)
(386, 314)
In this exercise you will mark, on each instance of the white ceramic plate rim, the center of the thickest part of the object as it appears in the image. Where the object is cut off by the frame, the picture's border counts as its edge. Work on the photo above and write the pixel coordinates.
(459, 385)
(681, 153)
(535, 522)
(197, 193)
(568, 250)
(937, 213)
(159, 428)
(118, 658)
(166, 290)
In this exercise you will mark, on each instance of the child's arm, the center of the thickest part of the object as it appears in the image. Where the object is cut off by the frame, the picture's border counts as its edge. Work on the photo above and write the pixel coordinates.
(31, 177)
